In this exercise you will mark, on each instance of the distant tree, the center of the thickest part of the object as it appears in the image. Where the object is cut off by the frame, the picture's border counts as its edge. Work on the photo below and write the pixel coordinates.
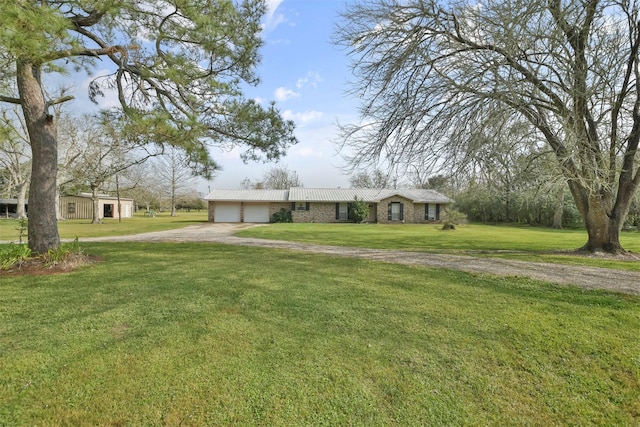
(375, 179)
(190, 200)
(247, 184)
(14, 158)
(143, 185)
(172, 168)
(178, 69)
(280, 178)
(105, 154)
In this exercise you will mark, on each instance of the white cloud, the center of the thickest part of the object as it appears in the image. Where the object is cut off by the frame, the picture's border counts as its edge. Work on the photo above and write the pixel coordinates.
(311, 79)
(302, 118)
(271, 18)
(284, 93)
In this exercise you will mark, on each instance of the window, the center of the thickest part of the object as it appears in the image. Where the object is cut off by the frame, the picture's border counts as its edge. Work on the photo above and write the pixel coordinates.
(432, 212)
(71, 207)
(343, 211)
(301, 206)
(429, 213)
(396, 211)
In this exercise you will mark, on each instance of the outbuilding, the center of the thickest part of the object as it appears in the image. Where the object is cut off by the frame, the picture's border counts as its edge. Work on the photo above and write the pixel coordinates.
(81, 207)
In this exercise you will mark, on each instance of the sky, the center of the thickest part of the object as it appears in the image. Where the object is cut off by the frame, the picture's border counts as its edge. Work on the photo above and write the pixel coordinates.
(306, 75)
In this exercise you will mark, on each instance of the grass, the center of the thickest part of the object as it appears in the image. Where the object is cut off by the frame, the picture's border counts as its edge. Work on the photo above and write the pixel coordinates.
(515, 242)
(200, 334)
(70, 229)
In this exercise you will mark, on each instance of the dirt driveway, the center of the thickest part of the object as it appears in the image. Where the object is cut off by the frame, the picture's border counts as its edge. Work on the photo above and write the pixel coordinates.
(585, 277)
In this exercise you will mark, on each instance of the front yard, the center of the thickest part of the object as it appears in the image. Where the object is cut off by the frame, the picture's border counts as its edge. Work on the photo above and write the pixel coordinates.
(206, 334)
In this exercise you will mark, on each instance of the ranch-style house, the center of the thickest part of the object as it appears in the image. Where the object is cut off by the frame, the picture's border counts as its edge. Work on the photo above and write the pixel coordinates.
(326, 205)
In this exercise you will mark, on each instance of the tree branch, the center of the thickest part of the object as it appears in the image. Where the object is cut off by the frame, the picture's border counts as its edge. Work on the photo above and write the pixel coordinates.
(60, 100)
(96, 53)
(10, 100)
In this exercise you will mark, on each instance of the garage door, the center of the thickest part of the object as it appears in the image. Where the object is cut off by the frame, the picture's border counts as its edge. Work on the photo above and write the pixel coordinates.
(227, 212)
(256, 213)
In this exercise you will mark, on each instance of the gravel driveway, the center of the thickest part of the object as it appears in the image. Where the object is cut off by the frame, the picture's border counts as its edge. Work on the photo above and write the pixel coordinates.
(585, 277)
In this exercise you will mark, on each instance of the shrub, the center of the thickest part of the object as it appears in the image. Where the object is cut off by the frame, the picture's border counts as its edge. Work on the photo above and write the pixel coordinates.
(451, 218)
(359, 210)
(281, 216)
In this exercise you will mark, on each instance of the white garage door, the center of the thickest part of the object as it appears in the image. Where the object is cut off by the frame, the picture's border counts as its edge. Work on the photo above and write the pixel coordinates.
(256, 213)
(227, 212)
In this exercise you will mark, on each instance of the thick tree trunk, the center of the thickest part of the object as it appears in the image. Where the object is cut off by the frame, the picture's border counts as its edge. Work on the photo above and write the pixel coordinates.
(602, 222)
(43, 227)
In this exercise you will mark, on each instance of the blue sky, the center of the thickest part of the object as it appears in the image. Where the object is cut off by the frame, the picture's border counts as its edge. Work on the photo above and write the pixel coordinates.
(307, 76)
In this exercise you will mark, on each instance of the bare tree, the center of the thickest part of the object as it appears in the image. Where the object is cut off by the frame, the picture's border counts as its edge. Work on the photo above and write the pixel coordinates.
(432, 73)
(280, 178)
(106, 153)
(176, 178)
(364, 179)
(14, 158)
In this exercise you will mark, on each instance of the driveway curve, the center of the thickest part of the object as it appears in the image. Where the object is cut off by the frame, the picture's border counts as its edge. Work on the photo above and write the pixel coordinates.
(586, 277)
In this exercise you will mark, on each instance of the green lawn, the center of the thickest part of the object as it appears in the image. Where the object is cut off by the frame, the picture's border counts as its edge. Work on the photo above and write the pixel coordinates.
(516, 242)
(201, 334)
(70, 229)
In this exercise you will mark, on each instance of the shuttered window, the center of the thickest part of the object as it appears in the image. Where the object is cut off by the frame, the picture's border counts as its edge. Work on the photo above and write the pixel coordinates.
(396, 211)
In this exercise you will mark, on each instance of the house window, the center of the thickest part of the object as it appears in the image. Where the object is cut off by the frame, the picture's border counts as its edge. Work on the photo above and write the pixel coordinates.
(343, 212)
(71, 207)
(396, 211)
(432, 212)
(302, 206)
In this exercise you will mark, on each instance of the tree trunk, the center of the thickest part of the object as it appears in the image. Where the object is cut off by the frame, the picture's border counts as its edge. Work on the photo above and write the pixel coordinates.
(95, 200)
(557, 215)
(43, 227)
(603, 223)
(21, 212)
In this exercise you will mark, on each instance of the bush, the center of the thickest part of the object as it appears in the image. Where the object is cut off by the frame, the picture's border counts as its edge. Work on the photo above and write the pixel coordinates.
(359, 210)
(451, 218)
(281, 216)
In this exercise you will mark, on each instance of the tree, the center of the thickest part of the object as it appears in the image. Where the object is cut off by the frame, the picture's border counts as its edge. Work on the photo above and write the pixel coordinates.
(143, 186)
(431, 73)
(280, 178)
(375, 179)
(276, 178)
(105, 155)
(14, 159)
(177, 69)
(175, 175)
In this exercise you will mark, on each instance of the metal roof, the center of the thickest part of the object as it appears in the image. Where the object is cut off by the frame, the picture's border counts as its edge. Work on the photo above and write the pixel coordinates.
(301, 194)
(249, 195)
(370, 195)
